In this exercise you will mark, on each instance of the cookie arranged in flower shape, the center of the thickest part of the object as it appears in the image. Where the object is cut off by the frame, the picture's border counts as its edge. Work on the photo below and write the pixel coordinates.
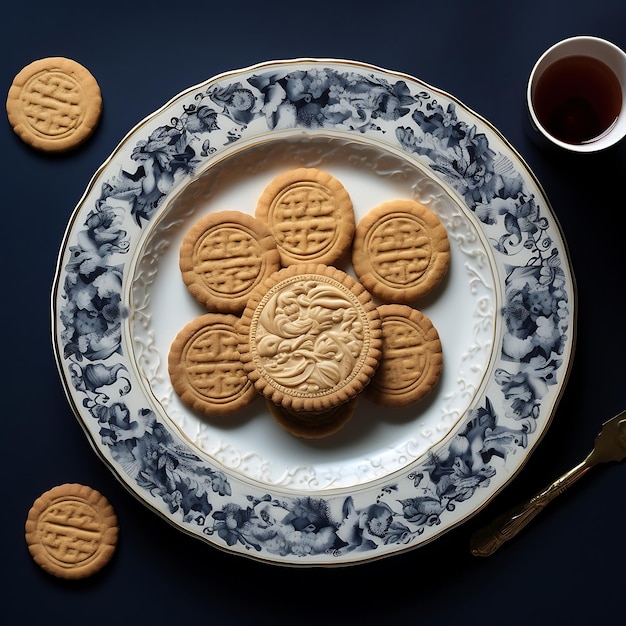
(412, 360)
(224, 256)
(311, 338)
(400, 251)
(310, 215)
(316, 425)
(205, 368)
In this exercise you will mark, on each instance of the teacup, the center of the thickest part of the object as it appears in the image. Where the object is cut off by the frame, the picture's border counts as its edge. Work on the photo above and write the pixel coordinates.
(576, 95)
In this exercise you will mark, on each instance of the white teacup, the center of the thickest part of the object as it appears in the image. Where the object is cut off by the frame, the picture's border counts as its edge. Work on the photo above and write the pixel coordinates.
(576, 95)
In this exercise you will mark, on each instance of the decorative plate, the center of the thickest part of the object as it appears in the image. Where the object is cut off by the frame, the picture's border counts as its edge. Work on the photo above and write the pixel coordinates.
(391, 479)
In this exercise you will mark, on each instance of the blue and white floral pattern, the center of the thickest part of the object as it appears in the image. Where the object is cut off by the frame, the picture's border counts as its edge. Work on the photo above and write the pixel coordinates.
(348, 99)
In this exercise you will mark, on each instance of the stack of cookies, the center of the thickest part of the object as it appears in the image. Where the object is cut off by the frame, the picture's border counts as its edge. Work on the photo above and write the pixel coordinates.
(285, 323)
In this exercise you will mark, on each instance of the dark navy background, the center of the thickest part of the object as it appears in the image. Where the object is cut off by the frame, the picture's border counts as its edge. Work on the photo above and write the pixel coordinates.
(568, 566)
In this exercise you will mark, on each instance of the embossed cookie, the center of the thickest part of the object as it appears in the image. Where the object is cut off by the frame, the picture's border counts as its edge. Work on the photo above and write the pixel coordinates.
(54, 104)
(204, 366)
(71, 531)
(313, 425)
(310, 215)
(224, 256)
(400, 251)
(412, 360)
(310, 338)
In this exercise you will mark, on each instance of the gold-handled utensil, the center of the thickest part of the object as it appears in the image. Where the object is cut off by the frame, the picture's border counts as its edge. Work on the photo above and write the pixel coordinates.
(610, 445)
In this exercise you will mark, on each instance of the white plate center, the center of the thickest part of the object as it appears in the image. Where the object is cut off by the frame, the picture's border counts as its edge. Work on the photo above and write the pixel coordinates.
(377, 441)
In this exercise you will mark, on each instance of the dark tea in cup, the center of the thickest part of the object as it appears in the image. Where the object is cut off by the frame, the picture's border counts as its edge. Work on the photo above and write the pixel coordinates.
(577, 94)
(578, 99)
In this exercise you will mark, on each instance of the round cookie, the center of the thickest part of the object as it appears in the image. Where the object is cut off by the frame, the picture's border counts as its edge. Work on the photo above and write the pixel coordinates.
(412, 360)
(310, 216)
(313, 425)
(224, 256)
(310, 338)
(71, 531)
(205, 369)
(400, 251)
(54, 104)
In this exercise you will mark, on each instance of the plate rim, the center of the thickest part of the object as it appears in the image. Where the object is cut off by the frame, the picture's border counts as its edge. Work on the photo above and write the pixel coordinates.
(338, 559)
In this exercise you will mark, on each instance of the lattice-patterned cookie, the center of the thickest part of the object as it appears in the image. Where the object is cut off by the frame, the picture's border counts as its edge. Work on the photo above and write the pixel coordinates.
(311, 338)
(205, 368)
(400, 251)
(313, 425)
(412, 360)
(71, 531)
(54, 104)
(224, 256)
(310, 215)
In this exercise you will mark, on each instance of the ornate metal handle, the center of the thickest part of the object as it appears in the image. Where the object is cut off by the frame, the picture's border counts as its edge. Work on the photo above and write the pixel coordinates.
(488, 539)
